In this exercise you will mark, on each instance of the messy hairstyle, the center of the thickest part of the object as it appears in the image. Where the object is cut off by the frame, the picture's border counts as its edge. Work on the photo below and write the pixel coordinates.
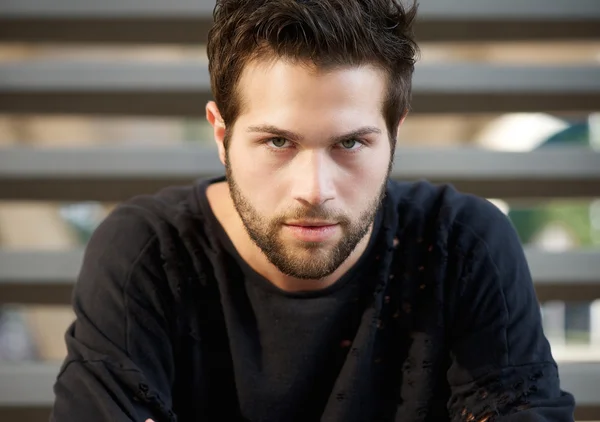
(327, 34)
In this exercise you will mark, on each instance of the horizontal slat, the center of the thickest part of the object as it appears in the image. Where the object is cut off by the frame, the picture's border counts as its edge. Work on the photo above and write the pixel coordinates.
(445, 9)
(48, 277)
(90, 76)
(38, 277)
(110, 173)
(194, 30)
(191, 103)
(106, 8)
(580, 379)
(570, 276)
(185, 76)
(40, 267)
(187, 21)
(510, 9)
(31, 384)
(182, 88)
(190, 161)
(27, 384)
(582, 266)
(108, 162)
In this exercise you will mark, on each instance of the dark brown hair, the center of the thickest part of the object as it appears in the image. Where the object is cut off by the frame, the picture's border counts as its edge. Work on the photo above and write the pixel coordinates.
(325, 33)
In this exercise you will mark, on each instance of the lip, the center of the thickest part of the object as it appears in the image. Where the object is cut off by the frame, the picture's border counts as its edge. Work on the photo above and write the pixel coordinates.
(307, 223)
(312, 233)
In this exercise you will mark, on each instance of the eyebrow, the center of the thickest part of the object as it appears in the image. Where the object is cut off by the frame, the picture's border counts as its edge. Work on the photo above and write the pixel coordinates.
(274, 130)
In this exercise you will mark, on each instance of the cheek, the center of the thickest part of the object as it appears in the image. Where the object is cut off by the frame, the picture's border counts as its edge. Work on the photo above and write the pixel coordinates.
(361, 192)
(368, 179)
(371, 170)
(256, 182)
(245, 168)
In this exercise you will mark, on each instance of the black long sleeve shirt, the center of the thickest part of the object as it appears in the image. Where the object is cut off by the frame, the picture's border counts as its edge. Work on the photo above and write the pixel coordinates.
(437, 321)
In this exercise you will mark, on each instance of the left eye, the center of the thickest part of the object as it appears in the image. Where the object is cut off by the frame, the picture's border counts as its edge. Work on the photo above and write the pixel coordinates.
(350, 144)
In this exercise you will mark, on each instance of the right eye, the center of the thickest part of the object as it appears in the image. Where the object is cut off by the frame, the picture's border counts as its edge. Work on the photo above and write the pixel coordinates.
(277, 143)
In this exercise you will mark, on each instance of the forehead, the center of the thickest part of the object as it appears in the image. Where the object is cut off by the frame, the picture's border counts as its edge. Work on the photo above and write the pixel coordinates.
(281, 89)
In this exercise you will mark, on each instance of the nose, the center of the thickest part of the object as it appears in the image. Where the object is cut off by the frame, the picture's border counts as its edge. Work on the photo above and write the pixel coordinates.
(313, 181)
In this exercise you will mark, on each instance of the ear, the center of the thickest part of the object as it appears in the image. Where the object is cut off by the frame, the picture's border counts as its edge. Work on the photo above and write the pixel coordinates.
(213, 115)
(400, 122)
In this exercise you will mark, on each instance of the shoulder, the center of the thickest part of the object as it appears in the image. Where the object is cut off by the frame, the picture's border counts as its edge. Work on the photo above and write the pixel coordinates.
(468, 242)
(135, 222)
(459, 221)
(143, 233)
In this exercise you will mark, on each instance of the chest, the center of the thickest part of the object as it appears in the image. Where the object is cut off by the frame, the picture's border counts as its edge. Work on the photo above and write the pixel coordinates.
(382, 358)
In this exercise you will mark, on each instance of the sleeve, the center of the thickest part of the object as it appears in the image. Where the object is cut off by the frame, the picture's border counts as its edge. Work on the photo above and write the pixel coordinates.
(501, 368)
(119, 364)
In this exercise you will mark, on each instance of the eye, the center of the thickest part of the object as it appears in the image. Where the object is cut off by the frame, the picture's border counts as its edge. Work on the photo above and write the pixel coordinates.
(351, 144)
(277, 143)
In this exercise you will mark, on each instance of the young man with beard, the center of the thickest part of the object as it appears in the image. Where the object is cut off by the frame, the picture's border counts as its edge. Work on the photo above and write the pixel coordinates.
(305, 285)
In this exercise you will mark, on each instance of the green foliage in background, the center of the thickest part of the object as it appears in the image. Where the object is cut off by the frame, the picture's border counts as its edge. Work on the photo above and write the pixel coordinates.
(573, 215)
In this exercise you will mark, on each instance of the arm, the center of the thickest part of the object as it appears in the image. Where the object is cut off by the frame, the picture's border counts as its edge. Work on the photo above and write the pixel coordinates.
(502, 368)
(119, 365)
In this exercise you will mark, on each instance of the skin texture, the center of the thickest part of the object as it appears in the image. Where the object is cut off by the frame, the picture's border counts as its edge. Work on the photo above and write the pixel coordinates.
(308, 147)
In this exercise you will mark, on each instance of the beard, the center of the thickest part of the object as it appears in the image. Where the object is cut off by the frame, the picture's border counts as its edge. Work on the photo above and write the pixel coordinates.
(310, 260)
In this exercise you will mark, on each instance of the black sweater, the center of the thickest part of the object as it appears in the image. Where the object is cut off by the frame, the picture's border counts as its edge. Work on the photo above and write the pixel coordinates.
(437, 321)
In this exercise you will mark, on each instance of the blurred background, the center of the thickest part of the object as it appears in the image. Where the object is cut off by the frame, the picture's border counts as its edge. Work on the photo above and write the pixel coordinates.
(99, 102)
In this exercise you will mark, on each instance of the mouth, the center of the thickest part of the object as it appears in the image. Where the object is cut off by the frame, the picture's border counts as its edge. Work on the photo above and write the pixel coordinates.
(312, 231)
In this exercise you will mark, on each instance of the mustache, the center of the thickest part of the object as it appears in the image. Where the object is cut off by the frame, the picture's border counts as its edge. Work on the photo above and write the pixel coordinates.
(313, 213)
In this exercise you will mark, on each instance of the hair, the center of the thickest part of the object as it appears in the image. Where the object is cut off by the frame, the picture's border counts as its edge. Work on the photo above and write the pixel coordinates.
(327, 34)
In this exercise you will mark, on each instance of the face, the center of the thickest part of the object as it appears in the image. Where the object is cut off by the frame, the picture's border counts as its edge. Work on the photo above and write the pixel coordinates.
(307, 161)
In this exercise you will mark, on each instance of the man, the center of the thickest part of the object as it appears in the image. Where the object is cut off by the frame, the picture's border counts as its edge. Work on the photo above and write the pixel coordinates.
(306, 285)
